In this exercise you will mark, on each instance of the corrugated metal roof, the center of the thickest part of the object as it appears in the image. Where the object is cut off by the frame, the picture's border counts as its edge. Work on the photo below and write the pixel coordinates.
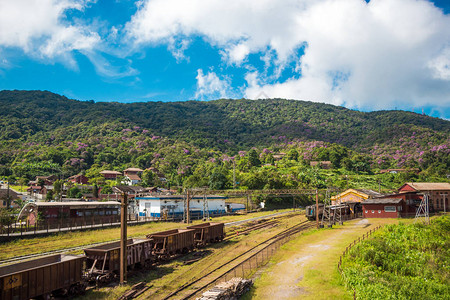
(133, 170)
(382, 201)
(133, 177)
(370, 192)
(77, 203)
(110, 172)
(429, 186)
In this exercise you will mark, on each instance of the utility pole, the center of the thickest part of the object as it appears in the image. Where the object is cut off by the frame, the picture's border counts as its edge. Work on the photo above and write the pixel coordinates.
(8, 201)
(248, 198)
(317, 208)
(123, 238)
(188, 207)
(234, 174)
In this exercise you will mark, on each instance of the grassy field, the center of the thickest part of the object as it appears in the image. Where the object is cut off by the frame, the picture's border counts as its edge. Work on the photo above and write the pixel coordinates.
(79, 238)
(307, 266)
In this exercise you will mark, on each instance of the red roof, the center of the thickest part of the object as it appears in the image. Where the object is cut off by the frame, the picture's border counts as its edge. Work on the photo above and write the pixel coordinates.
(133, 177)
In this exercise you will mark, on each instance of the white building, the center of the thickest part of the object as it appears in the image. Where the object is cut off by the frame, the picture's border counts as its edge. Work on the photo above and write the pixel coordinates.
(155, 206)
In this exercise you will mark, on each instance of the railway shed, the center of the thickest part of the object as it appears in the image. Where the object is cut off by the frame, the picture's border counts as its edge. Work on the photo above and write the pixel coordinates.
(383, 208)
(74, 210)
(173, 205)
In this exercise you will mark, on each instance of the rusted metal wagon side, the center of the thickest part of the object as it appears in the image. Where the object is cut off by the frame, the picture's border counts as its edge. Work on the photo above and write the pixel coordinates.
(103, 262)
(56, 274)
(174, 241)
(208, 233)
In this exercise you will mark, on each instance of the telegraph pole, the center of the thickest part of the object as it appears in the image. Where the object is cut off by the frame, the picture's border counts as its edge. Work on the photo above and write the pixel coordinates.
(188, 207)
(317, 208)
(123, 238)
(234, 174)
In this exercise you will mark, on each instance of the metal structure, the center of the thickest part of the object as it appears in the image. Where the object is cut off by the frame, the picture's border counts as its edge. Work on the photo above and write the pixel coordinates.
(423, 212)
(331, 213)
(205, 207)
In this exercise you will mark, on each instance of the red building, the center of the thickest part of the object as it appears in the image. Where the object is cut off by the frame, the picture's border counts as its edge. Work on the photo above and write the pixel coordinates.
(383, 208)
(438, 193)
(110, 175)
(79, 179)
(392, 206)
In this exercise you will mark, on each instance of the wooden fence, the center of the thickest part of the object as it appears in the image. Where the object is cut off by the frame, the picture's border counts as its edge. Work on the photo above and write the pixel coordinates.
(350, 246)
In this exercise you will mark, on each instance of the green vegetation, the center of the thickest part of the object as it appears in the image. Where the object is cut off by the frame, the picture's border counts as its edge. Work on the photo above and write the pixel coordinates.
(402, 262)
(265, 144)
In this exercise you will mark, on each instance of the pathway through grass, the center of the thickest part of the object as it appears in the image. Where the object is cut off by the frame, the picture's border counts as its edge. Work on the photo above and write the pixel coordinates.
(306, 267)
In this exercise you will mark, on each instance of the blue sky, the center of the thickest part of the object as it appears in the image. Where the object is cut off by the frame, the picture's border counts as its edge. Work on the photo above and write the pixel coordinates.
(379, 54)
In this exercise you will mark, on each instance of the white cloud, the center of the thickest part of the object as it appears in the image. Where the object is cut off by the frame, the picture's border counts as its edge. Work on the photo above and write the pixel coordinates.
(364, 55)
(40, 28)
(210, 86)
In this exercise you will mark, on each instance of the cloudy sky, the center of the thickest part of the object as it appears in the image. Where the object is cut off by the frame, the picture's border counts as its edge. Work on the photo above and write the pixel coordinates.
(366, 55)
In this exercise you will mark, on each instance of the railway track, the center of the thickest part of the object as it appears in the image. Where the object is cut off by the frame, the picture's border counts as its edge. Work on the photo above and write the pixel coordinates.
(195, 286)
(77, 248)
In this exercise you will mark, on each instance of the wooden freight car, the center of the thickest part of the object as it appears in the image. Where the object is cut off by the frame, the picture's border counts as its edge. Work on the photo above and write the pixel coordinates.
(103, 262)
(170, 242)
(208, 233)
(56, 274)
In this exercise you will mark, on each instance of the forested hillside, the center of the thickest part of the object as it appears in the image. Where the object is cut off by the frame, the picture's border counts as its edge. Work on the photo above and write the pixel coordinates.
(42, 132)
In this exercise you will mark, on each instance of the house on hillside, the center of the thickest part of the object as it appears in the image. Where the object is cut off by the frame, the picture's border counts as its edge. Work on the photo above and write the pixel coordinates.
(279, 156)
(13, 196)
(438, 193)
(48, 180)
(110, 175)
(354, 195)
(132, 176)
(159, 174)
(39, 192)
(79, 179)
(322, 164)
(395, 171)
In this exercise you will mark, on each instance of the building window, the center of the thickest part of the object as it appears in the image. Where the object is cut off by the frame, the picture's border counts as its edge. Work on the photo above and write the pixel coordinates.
(367, 211)
(390, 208)
(399, 208)
(373, 211)
(379, 211)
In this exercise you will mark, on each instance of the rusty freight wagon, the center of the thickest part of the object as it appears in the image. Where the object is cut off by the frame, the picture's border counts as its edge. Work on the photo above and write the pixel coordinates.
(208, 233)
(51, 275)
(103, 262)
(174, 241)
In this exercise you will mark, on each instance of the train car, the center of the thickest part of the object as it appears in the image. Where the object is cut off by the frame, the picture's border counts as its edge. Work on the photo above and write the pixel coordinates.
(103, 262)
(170, 242)
(310, 211)
(43, 277)
(208, 233)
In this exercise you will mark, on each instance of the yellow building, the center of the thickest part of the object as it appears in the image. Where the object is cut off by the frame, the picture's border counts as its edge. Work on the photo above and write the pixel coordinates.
(354, 195)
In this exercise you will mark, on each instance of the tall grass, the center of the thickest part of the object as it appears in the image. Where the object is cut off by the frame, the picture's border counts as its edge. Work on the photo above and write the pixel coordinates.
(402, 262)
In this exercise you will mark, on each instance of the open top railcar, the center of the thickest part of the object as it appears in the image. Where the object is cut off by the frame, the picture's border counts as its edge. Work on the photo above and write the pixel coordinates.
(170, 242)
(103, 262)
(58, 274)
(208, 233)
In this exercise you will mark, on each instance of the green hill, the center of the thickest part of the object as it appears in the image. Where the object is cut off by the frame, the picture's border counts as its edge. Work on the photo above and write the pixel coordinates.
(41, 131)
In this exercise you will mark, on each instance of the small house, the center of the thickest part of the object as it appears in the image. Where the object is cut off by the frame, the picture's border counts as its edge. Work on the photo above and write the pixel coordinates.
(110, 175)
(79, 179)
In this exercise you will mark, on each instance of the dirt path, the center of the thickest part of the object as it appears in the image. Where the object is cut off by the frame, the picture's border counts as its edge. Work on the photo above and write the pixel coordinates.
(306, 267)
